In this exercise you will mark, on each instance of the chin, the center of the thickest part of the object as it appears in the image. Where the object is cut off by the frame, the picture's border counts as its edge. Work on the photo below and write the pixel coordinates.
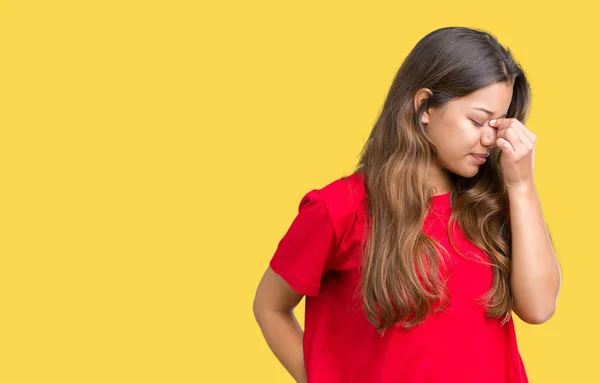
(467, 172)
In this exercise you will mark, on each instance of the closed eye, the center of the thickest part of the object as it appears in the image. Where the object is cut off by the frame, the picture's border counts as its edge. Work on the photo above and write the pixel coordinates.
(477, 123)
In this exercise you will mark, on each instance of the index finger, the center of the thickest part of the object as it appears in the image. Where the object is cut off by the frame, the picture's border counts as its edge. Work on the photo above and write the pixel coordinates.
(503, 123)
(500, 123)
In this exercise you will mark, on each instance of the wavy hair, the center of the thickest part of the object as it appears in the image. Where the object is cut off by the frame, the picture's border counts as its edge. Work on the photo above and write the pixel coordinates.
(400, 280)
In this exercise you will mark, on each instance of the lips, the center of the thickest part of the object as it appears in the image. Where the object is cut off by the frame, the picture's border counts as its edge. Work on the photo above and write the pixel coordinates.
(480, 158)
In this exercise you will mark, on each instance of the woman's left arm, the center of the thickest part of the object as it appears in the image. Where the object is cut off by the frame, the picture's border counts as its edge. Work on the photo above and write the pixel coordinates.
(535, 271)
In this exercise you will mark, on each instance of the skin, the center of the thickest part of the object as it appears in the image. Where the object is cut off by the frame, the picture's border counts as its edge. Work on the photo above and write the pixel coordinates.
(458, 129)
(274, 304)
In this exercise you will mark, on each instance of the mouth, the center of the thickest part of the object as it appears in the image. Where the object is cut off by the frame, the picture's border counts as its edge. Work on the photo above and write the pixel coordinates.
(480, 158)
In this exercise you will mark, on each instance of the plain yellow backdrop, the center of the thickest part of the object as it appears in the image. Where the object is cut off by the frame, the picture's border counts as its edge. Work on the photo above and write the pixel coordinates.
(153, 153)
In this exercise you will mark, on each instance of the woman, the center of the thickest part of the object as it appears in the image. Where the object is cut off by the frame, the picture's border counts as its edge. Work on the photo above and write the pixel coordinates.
(412, 265)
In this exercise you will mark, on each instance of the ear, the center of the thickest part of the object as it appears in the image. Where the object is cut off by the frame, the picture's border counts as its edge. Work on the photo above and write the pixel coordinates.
(420, 97)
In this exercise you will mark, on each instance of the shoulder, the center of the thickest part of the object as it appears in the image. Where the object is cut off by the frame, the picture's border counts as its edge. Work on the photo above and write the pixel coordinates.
(344, 199)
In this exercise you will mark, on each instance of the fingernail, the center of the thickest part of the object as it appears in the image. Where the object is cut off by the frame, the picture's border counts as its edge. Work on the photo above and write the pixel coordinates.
(493, 122)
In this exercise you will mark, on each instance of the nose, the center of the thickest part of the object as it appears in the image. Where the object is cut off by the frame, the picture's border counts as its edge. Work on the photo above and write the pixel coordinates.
(488, 136)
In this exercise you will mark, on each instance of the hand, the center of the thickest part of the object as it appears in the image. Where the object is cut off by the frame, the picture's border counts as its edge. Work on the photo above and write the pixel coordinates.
(518, 145)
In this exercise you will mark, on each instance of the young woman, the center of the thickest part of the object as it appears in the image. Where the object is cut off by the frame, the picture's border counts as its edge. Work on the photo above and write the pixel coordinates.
(413, 264)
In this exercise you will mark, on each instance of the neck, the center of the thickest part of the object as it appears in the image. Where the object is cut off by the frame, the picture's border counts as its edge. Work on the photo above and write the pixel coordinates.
(439, 180)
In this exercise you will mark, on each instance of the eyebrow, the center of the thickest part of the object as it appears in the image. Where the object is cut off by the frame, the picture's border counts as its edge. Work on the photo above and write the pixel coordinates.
(487, 111)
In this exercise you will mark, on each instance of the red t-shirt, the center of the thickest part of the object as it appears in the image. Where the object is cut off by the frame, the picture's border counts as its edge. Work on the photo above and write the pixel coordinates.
(319, 257)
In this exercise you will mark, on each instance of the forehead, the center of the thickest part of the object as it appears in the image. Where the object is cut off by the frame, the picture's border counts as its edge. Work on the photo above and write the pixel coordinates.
(495, 98)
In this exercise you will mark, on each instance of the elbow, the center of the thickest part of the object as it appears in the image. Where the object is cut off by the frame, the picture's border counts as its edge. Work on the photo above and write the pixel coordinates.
(537, 317)
(257, 309)
(535, 309)
(261, 309)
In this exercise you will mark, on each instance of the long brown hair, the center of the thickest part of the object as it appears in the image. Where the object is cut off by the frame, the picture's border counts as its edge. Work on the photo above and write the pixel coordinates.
(399, 280)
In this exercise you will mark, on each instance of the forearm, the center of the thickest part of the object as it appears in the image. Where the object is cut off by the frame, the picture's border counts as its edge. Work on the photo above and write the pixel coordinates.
(535, 272)
(284, 337)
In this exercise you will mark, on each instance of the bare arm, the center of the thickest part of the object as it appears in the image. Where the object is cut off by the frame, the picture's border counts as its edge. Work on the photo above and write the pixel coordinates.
(273, 309)
(536, 276)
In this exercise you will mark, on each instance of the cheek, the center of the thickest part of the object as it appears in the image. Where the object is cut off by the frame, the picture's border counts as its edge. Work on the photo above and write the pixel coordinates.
(460, 140)
(468, 138)
(454, 139)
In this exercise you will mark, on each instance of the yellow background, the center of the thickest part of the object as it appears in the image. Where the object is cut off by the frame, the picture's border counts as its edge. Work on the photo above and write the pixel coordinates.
(153, 153)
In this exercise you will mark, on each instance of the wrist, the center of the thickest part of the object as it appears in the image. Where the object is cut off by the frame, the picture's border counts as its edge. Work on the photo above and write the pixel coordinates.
(521, 190)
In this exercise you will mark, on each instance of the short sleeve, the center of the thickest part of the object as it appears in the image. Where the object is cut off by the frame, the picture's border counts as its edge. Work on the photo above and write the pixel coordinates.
(305, 252)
